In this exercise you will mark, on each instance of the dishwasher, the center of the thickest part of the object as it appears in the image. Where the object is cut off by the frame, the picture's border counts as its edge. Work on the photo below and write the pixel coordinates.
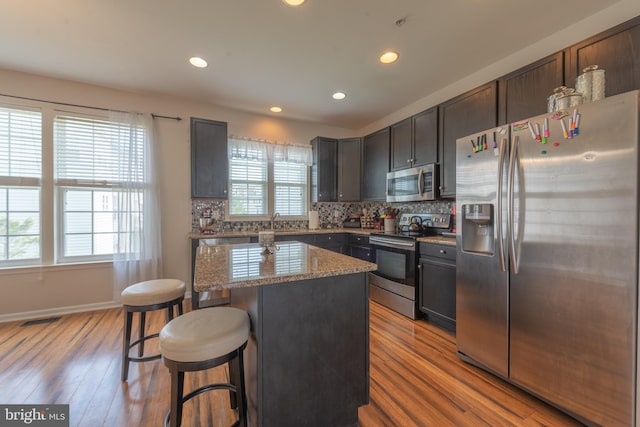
(210, 298)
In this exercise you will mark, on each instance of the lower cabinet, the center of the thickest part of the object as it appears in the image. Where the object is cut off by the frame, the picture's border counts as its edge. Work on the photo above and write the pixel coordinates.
(437, 284)
(359, 248)
(336, 242)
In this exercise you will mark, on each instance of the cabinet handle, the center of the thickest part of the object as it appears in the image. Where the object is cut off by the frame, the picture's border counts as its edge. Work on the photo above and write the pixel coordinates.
(409, 161)
(442, 251)
(441, 188)
(419, 266)
(341, 195)
(224, 191)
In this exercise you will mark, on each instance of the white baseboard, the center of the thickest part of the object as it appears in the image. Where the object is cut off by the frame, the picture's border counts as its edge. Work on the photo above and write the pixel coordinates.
(51, 312)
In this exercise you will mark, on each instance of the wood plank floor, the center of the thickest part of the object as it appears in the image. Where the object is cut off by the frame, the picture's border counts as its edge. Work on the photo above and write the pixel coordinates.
(416, 378)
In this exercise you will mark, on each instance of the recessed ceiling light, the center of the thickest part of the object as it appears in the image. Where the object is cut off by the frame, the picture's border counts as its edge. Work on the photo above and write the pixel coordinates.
(339, 95)
(276, 109)
(196, 61)
(293, 2)
(388, 57)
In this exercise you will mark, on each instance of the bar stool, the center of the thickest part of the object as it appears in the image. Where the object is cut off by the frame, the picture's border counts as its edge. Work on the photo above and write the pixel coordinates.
(200, 340)
(141, 298)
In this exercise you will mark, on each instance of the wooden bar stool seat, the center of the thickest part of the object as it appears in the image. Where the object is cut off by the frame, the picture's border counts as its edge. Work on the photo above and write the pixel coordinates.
(200, 340)
(143, 297)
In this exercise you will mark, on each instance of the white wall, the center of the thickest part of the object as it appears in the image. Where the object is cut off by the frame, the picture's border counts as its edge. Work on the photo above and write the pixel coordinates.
(35, 292)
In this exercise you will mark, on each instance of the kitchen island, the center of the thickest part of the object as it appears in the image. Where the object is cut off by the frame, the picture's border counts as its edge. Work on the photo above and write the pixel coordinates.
(307, 360)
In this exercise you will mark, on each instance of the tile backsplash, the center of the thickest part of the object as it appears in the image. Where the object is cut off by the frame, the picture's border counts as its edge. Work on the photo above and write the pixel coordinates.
(331, 214)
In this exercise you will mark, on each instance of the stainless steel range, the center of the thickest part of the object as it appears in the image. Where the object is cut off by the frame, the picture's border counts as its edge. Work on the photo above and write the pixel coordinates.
(394, 283)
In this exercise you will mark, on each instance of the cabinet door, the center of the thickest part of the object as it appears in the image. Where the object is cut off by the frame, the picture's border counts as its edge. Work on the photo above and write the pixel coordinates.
(401, 145)
(617, 51)
(375, 165)
(437, 293)
(349, 169)
(463, 115)
(524, 93)
(425, 137)
(324, 177)
(209, 165)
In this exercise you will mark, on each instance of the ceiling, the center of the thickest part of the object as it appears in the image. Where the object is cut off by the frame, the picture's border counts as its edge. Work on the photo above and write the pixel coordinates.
(263, 53)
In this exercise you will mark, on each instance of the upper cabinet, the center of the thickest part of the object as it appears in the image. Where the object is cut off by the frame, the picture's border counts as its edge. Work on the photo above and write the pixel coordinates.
(617, 51)
(523, 93)
(209, 165)
(336, 170)
(349, 169)
(463, 115)
(401, 144)
(324, 184)
(375, 163)
(414, 141)
(425, 137)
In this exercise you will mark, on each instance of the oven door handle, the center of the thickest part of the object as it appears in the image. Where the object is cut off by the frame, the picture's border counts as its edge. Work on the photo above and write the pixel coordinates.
(390, 242)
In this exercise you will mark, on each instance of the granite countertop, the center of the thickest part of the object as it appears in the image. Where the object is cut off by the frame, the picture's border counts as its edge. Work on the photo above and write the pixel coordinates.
(230, 234)
(236, 266)
(441, 240)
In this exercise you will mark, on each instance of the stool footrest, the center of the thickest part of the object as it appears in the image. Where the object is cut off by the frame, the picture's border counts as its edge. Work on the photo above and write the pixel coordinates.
(144, 359)
(146, 337)
(200, 390)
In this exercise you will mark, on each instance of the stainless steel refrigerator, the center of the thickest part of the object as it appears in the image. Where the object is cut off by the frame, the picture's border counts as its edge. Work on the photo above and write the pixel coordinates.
(547, 256)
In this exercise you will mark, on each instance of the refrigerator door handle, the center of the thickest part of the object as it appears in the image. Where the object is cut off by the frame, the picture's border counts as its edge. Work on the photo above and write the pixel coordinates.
(510, 208)
(501, 253)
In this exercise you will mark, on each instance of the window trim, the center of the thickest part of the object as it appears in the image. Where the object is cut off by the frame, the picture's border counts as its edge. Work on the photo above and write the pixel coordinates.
(270, 201)
(50, 216)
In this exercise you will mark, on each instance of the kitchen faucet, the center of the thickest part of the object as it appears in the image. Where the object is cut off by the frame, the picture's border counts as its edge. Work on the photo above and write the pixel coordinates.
(273, 217)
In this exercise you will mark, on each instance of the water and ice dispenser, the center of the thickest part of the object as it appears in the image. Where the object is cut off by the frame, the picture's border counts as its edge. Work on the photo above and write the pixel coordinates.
(477, 228)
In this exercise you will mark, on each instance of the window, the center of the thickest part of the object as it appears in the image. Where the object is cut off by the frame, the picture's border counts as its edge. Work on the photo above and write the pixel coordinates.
(268, 178)
(93, 160)
(248, 181)
(77, 186)
(20, 180)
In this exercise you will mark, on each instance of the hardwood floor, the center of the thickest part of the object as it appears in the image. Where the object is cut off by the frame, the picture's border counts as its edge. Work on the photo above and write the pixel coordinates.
(416, 378)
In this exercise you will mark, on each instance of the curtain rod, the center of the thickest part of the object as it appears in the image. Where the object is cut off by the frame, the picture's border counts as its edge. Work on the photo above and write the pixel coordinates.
(85, 106)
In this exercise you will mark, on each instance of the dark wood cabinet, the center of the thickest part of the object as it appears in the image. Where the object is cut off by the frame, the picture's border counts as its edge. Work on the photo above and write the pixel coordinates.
(349, 169)
(359, 248)
(209, 164)
(463, 115)
(425, 137)
(401, 144)
(324, 176)
(414, 141)
(617, 51)
(336, 242)
(375, 165)
(437, 284)
(523, 93)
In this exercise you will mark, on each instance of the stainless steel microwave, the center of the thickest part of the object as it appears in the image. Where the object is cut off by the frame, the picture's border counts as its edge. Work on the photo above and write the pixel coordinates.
(412, 185)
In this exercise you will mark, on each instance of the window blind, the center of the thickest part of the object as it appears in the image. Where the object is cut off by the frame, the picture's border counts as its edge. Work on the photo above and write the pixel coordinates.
(20, 174)
(97, 152)
(20, 145)
(248, 182)
(290, 188)
(95, 161)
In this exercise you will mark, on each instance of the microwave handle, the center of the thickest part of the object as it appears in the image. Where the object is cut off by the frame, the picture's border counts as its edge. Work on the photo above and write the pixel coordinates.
(420, 175)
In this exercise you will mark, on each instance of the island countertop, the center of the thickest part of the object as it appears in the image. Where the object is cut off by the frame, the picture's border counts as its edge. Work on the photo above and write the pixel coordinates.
(244, 265)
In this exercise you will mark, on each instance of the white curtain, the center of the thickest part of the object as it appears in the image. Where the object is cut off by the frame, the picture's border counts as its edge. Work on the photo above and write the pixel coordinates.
(245, 149)
(138, 254)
